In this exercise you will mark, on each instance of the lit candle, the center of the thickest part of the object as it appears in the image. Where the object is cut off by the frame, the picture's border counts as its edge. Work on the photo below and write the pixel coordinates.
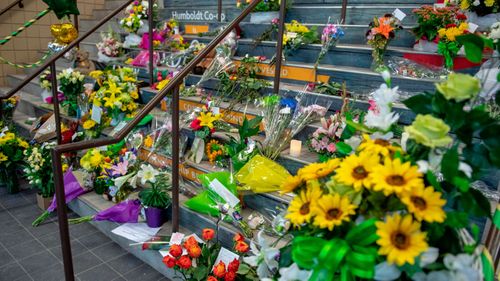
(295, 148)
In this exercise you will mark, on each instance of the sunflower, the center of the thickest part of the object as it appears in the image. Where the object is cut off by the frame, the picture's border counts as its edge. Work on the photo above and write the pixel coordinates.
(377, 146)
(331, 210)
(425, 204)
(3, 157)
(396, 177)
(355, 170)
(89, 124)
(400, 239)
(318, 170)
(300, 209)
(291, 183)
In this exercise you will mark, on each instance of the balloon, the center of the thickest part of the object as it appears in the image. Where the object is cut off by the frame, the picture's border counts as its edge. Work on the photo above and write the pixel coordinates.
(64, 33)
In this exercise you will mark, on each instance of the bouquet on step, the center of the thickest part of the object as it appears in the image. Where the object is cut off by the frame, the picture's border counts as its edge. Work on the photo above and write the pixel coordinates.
(448, 46)
(110, 47)
(480, 7)
(382, 31)
(295, 36)
(329, 38)
(38, 169)
(430, 19)
(71, 85)
(11, 156)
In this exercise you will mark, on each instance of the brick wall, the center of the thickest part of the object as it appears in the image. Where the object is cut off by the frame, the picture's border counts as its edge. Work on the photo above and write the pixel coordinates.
(29, 45)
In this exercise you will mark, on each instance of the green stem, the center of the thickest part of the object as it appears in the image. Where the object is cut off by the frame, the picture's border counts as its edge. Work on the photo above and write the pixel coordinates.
(80, 220)
(40, 219)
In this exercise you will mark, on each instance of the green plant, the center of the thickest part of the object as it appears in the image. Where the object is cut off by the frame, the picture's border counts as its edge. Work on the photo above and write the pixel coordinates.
(430, 19)
(155, 197)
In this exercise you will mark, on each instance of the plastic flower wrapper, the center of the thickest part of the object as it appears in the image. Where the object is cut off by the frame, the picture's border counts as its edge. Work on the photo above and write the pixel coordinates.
(285, 117)
(296, 35)
(261, 175)
(329, 38)
(72, 189)
(159, 140)
(382, 31)
(123, 212)
(219, 199)
(220, 63)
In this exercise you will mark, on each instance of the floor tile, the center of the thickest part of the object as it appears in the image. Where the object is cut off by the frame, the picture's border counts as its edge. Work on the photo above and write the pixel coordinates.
(39, 262)
(94, 240)
(82, 229)
(11, 272)
(15, 238)
(143, 273)
(76, 249)
(125, 263)
(11, 225)
(50, 240)
(99, 273)
(26, 249)
(53, 273)
(109, 251)
(5, 257)
(43, 229)
(85, 261)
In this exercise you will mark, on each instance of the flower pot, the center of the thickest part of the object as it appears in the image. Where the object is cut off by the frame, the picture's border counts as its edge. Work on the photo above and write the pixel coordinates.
(155, 217)
(263, 17)
(43, 202)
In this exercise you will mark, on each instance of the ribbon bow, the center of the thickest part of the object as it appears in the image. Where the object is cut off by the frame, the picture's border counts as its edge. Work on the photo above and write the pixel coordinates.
(449, 51)
(339, 259)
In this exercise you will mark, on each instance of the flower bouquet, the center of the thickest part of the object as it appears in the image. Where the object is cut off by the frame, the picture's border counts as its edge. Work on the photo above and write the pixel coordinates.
(296, 35)
(11, 156)
(136, 22)
(38, 169)
(110, 47)
(448, 46)
(480, 7)
(71, 85)
(329, 38)
(91, 128)
(156, 200)
(45, 81)
(382, 31)
(324, 140)
(285, 117)
(264, 12)
(8, 107)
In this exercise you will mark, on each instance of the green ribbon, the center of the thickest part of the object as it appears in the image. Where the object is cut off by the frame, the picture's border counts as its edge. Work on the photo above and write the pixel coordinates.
(449, 50)
(63, 8)
(496, 217)
(339, 259)
(488, 270)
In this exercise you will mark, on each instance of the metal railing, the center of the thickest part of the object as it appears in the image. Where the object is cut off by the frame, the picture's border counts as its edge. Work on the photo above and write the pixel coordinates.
(19, 3)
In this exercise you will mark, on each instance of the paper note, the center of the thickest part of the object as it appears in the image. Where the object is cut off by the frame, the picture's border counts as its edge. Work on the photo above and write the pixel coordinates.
(226, 257)
(196, 237)
(222, 191)
(439, 5)
(215, 110)
(137, 232)
(472, 27)
(176, 238)
(118, 127)
(400, 15)
(96, 114)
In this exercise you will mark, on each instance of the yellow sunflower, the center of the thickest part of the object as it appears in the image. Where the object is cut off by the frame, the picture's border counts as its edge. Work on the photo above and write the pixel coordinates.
(355, 170)
(291, 183)
(377, 146)
(332, 210)
(89, 124)
(396, 177)
(318, 170)
(425, 204)
(3, 157)
(400, 239)
(300, 209)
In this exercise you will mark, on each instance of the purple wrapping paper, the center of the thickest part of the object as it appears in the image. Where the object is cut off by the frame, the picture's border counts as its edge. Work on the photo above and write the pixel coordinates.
(123, 212)
(72, 189)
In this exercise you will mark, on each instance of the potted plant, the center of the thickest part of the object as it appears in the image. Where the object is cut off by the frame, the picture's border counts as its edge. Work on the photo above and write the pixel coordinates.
(155, 198)
(38, 171)
(11, 156)
(264, 12)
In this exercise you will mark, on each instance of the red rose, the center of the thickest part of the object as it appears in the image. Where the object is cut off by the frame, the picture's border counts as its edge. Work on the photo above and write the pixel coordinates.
(175, 250)
(241, 247)
(233, 266)
(461, 16)
(208, 234)
(451, 25)
(169, 261)
(220, 270)
(230, 276)
(238, 237)
(184, 262)
(194, 251)
(195, 125)
(190, 242)
(211, 278)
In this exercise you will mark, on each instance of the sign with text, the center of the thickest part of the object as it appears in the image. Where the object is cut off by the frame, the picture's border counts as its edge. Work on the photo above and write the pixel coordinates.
(291, 72)
(195, 29)
(196, 15)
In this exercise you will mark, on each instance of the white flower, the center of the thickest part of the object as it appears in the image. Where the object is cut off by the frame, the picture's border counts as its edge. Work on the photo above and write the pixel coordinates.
(465, 168)
(495, 31)
(264, 259)
(429, 256)
(423, 166)
(441, 275)
(386, 272)
(386, 75)
(147, 173)
(461, 267)
(380, 113)
(129, 23)
(476, 3)
(293, 273)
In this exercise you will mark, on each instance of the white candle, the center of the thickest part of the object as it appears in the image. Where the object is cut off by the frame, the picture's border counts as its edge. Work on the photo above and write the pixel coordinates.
(295, 148)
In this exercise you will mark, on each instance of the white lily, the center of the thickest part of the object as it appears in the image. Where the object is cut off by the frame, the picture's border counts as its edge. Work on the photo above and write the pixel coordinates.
(147, 173)
(386, 272)
(293, 273)
(264, 259)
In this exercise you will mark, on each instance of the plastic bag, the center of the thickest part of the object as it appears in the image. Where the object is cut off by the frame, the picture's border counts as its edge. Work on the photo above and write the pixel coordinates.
(261, 175)
(132, 40)
(408, 68)
(142, 59)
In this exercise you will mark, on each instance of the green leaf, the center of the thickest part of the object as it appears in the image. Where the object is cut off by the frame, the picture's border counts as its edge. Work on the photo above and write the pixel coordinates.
(243, 269)
(200, 273)
(343, 148)
(286, 256)
(461, 183)
(449, 165)
(420, 104)
(432, 179)
(457, 219)
(475, 203)
(473, 45)
(489, 135)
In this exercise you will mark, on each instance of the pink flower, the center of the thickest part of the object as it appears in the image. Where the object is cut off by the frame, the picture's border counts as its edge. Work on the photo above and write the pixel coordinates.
(119, 169)
(331, 147)
(373, 106)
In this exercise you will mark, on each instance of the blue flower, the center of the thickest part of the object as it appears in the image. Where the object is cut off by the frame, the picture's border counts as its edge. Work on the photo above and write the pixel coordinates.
(288, 102)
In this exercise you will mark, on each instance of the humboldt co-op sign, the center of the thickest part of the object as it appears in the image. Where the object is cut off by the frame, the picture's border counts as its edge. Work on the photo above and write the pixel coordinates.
(196, 15)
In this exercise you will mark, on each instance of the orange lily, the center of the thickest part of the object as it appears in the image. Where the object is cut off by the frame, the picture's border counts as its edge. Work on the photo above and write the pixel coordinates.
(383, 28)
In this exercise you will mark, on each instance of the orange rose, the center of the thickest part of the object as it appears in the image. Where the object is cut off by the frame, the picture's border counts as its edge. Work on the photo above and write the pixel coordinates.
(169, 261)
(184, 262)
(190, 242)
(194, 251)
(211, 278)
(208, 234)
(233, 266)
(241, 247)
(238, 237)
(220, 270)
(175, 250)
(230, 276)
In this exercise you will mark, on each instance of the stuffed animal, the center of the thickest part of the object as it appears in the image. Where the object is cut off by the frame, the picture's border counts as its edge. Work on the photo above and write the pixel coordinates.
(83, 63)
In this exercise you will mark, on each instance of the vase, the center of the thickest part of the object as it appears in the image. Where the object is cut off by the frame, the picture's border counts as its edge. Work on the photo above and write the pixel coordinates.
(43, 202)
(155, 217)
(263, 17)
(8, 178)
(378, 58)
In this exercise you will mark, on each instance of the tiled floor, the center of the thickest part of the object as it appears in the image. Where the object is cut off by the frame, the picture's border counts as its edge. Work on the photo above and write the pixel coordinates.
(28, 253)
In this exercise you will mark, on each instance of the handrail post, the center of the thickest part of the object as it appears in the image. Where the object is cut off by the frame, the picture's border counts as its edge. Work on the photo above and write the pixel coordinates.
(151, 47)
(343, 12)
(20, 4)
(279, 47)
(55, 102)
(175, 159)
(76, 25)
(219, 10)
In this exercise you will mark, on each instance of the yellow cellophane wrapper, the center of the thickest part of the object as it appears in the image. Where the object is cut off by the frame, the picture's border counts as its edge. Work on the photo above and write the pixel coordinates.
(261, 175)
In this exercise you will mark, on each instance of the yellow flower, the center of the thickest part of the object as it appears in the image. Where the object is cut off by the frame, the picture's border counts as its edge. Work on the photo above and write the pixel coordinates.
(3, 157)
(148, 141)
(113, 88)
(134, 95)
(332, 210)
(318, 170)
(377, 146)
(300, 209)
(463, 26)
(396, 177)
(400, 239)
(425, 204)
(23, 144)
(489, 3)
(355, 170)
(89, 124)
(464, 5)
(208, 119)
(291, 183)
(111, 101)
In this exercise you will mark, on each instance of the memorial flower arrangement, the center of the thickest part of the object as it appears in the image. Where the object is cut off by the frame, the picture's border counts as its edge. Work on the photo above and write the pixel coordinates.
(430, 19)
(137, 14)
(71, 85)
(110, 46)
(480, 7)
(263, 6)
(38, 168)
(329, 38)
(382, 31)
(448, 46)
(8, 107)
(93, 129)
(379, 213)
(324, 140)
(297, 35)
(203, 258)
(11, 157)
(46, 80)
(215, 151)
(95, 161)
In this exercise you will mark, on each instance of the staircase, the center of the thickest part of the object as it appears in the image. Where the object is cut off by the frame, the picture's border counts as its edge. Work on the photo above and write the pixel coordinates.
(349, 61)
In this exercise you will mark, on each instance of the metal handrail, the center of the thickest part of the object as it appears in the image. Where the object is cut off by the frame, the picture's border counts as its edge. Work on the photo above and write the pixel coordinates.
(172, 87)
(11, 5)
